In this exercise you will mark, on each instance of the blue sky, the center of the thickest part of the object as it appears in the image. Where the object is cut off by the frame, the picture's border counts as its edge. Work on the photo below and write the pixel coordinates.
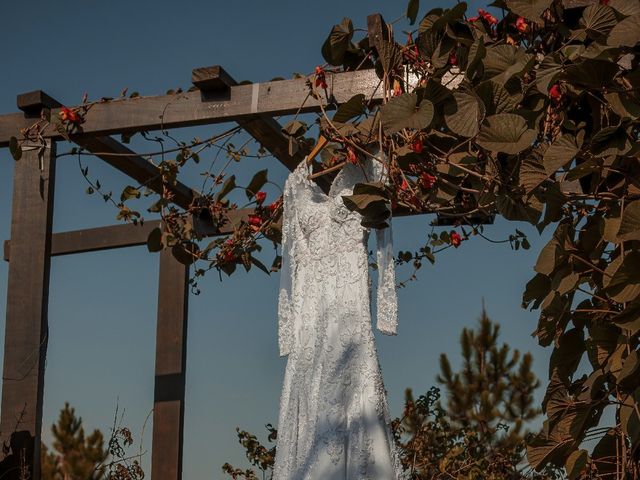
(102, 305)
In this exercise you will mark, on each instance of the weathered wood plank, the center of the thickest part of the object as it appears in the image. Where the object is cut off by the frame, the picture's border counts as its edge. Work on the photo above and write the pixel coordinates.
(266, 130)
(32, 103)
(121, 236)
(26, 328)
(171, 356)
(199, 108)
(133, 165)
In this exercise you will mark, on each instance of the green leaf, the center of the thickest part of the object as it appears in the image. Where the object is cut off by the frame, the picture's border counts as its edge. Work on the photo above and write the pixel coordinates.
(532, 174)
(227, 186)
(629, 376)
(591, 73)
(598, 20)
(337, 43)
(629, 419)
(129, 192)
(412, 10)
(529, 9)
(583, 169)
(505, 132)
(577, 463)
(560, 153)
(186, 253)
(477, 52)
(626, 33)
(505, 61)
(15, 149)
(622, 281)
(295, 128)
(256, 183)
(154, 240)
(463, 114)
(549, 69)
(354, 107)
(260, 265)
(496, 98)
(565, 358)
(404, 112)
(630, 222)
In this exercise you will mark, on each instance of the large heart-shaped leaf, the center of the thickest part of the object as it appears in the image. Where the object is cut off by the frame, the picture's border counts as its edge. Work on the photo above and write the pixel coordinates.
(256, 183)
(352, 108)
(405, 112)
(463, 114)
(505, 132)
(630, 222)
(502, 62)
(626, 33)
(496, 98)
(337, 43)
(530, 9)
(560, 153)
(598, 20)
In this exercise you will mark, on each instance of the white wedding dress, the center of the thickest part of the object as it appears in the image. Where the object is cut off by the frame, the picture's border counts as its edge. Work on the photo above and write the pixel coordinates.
(334, 420)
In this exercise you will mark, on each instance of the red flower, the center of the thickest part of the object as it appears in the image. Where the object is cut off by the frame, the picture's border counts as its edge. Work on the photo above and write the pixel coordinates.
(555, 93)
(417, 145)
(273, 207)
(453, 60)
(260, 197)
(320, 78)
(397, 89)
(490, 19)
(404, 184)
(455, 239)
(473, 19)
(351, 156)
(255, 220)
(71, 116)
(522, 25)
(427, 181)
(229, 256)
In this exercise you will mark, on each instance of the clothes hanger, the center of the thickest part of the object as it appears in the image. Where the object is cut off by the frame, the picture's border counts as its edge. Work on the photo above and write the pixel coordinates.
(319, 146)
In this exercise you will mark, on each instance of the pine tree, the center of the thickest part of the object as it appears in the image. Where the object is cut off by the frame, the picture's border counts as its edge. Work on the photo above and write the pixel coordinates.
(493, 391)
(478, 429)
(74, 456)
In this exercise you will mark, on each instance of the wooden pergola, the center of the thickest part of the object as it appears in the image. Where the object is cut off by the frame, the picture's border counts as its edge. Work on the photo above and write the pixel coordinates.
(217, 99)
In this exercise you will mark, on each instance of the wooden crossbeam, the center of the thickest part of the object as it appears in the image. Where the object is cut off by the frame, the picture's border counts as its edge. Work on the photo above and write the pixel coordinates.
(124, 235)
(186, 109)
(130, 163)
(266, 130)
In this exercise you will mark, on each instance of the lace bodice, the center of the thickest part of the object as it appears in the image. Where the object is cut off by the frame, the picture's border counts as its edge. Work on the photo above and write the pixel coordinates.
(317, 229)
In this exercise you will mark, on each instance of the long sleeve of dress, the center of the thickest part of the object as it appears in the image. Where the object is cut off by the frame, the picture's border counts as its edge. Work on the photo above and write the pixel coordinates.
(386, 295)
(286, 309)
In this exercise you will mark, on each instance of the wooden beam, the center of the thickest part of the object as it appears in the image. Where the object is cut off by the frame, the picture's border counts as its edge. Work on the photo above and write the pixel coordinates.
(26, 328)
(124, 235)
(133, 165)
(32, 103)
(186, 109)
(171, 357)
(266, 130)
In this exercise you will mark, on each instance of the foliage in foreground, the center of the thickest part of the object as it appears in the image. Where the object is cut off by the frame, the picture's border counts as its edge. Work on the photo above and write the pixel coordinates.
(478, 432)
(76, 456)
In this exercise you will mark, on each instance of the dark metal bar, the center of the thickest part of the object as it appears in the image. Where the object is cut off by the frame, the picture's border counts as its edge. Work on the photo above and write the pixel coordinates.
(171, 355)
(26, 329)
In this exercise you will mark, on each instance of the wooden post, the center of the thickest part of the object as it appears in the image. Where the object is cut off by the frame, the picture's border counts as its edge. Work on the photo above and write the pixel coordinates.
(171, 354)
(26, 329)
